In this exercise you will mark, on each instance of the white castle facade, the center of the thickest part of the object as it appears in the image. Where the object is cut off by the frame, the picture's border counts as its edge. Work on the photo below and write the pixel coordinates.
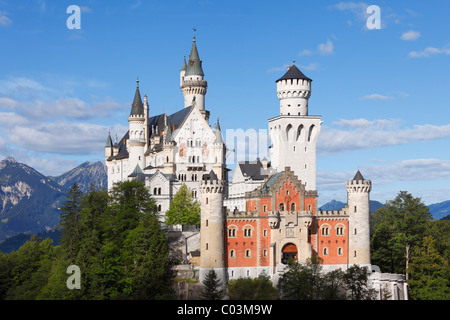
(167, 151)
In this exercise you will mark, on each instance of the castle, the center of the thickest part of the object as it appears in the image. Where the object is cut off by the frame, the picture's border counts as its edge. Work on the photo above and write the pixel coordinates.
(268, 213)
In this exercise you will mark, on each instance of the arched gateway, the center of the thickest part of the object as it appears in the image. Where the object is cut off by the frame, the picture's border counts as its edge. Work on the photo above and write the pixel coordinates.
(289, 252)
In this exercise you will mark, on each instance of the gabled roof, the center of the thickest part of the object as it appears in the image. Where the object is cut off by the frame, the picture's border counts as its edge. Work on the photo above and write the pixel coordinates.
(270, 181)
(293, 73)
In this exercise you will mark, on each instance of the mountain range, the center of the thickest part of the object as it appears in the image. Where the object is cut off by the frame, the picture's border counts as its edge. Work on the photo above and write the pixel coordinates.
(29, 200)
(439, 211)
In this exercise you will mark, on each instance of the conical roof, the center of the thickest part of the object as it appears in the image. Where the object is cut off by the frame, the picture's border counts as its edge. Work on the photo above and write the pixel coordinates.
(294, 73)
(194, 66)
(137, 107)
(109, 142)
(218, 133)
(358, 176)
(184, 66)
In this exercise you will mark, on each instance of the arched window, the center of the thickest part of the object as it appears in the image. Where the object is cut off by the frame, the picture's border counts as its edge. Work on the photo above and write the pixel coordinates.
(232, 254)
(325, 251)
(232, 233)
(293, 206)
(281, 207)
(247, 253)
(326, 230)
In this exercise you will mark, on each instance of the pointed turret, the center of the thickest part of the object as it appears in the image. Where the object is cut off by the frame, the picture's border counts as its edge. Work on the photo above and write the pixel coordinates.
(109, 142)
(194, 66)
(218, 133)
(137, 107)
(184, 66)
(108, 146)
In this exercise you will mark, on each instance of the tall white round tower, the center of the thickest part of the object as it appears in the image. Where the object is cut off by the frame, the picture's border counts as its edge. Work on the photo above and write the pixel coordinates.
(293, 91)
(294, 133)
(358, 196)
(137, 134)
(212, 228)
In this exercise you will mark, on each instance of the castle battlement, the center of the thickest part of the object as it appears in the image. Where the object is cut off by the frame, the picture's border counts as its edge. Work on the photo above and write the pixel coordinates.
(331, 213)
(212, 186)
(359, 186)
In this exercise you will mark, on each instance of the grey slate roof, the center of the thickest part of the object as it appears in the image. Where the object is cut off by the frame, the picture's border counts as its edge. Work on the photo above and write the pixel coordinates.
(294, 73)
(137, 107)
(194, 66)
(253, 169)
(358, 176)
(109, 142)
(175, 120)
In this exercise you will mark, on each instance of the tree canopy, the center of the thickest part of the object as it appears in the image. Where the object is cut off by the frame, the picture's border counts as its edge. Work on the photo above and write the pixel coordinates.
(184, 209)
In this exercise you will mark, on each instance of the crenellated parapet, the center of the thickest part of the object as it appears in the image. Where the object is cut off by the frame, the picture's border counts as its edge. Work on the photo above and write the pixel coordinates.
(359, 186)
(212, 186)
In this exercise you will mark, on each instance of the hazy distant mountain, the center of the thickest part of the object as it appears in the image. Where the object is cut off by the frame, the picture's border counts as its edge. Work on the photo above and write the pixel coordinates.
(338, 205)
(29, 200)
(85, 174)
(440, 210)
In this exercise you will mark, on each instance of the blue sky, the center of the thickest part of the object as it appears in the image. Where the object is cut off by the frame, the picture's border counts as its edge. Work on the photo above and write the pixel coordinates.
(383, 94)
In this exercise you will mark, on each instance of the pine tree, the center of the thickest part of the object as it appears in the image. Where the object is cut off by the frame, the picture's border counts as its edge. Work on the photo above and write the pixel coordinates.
(183, 210)
(212, 287)
(70, 222)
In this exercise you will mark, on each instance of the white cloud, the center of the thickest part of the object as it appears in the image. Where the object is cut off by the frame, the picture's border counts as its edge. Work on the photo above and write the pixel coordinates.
(410, 35)
(306, 52)
(360, 134)
(376, 96)
(389, 177)
(4, 20)
(357, 8)
(326, 48)
(428, 52)
(323, 49)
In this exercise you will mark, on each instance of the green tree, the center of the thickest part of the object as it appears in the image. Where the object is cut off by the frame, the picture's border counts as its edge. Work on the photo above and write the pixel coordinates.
(430, 273)
(148, 260)
(30, 268)
(212, 287)
(184, 209)
(399, 226)
(333, 286)
(94, 205)
(129, 201)
(134, 253)
(260, 288)
(70, 220)
(302, 282)
(355, 279)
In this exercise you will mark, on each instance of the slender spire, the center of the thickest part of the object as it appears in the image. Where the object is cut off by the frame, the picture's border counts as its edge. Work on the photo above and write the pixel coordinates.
(184, 66)
(137, 108)
(195, 64)
(109, 140)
